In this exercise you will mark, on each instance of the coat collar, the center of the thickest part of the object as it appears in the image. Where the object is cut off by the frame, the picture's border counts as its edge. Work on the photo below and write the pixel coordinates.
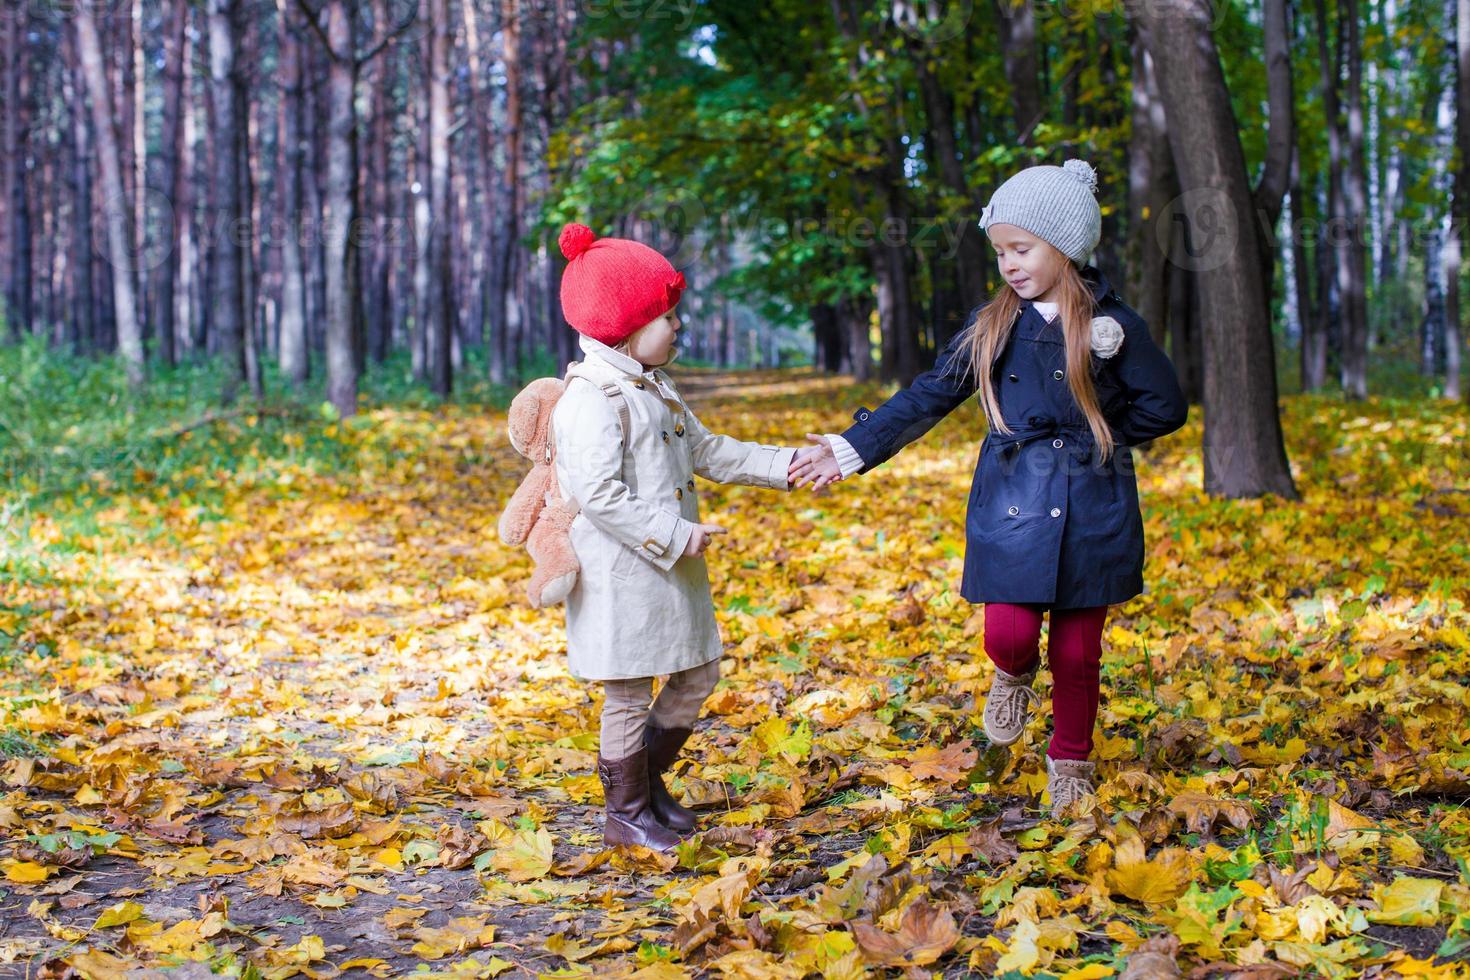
(600, 355)
(1097, 283)
(614, 358)
(1094, 278)
(1037, 327)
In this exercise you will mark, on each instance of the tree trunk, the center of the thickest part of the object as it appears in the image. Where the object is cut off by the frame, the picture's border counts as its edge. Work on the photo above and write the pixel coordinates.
(314, 60)
(1244, 452)
(441, 295)
(512, 271)
(1355, 296)
(294, 351)
(1017, 22)
(1453, 255)
(186, 244)
(18, 310)
(136, 85)
(1391, 241)
(1150, 179)
(857, 325)
(245, 111)
(340, 243)
(827, 337)
(423, 214)
(175, 50)
(83, 295)
(1186, 344)
(380, 328)
(227, 312)
(486, 259)
(119, 236)
(969, 255)
(1281, 132)
(1313, 352)
(1334, 234)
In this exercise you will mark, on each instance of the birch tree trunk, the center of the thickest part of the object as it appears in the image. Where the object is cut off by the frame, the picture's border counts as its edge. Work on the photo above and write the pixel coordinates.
(115, 207)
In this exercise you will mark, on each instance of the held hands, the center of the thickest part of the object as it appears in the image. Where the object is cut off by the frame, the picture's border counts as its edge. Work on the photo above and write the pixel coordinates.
(815, 464)
(700, 539)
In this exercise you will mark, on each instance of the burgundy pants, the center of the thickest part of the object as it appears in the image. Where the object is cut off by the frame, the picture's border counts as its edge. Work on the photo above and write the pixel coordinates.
(1074, 651)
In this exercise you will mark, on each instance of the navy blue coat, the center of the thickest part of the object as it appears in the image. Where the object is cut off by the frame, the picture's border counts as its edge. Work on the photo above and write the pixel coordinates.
(1047, 522)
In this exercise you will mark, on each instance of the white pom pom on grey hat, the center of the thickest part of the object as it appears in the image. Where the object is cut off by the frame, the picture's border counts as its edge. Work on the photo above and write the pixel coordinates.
(1056, 204)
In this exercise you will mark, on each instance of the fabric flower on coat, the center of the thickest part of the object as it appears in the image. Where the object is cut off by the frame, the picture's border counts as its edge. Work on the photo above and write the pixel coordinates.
(1107, 336)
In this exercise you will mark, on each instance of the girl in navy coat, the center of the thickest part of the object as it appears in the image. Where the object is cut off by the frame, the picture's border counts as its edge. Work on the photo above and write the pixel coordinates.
(1068, 378)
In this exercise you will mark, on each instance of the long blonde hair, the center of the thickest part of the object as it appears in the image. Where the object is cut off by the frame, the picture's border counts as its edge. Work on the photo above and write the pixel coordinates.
(987, 337)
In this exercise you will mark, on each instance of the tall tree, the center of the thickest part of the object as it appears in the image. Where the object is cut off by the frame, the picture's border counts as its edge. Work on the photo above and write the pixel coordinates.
(294, 353)
(1454, 244)
(482, 127)
(85, 313)
(1245, 454)
(1017, 22)
(17, 199)
(441, 304)
(510, 276)
(1151, 184)
(1355, 200)
(116, 209)
(379, 280)
(175, 52)
(339, 221)
(227, 311)
(341, 208)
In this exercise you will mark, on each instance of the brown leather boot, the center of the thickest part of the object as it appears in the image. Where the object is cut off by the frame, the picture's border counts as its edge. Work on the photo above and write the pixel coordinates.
(629, 818)
(663, 746)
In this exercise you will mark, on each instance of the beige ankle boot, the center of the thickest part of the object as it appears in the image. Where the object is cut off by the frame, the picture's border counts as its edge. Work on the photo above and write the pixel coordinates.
(1067, 781)
(1008, 707)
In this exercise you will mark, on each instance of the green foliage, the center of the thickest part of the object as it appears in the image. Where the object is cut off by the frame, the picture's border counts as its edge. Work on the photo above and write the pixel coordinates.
(71, 429)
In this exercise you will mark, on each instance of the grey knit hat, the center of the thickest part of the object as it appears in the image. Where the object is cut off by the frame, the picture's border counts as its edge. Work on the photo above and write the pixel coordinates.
(1056, 204)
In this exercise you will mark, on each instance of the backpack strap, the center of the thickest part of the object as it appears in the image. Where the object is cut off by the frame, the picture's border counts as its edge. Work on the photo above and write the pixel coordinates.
(614, 394)
(620, 405)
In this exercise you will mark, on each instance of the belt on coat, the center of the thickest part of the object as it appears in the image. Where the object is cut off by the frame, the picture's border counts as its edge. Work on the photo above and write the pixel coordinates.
(1079, 440)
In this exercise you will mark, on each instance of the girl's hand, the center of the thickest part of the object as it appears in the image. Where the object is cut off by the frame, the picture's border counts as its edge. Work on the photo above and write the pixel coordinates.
(700, 539)
(815, 464)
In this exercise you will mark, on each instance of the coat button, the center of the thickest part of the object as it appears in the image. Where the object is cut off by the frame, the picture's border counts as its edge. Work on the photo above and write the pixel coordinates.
(1057, 374)
(1056, 512)
(665, 435)
(1014, 378)
(1056, 444)
(679, 493)
(690, 485)
(1013, 510)
(679, 429)
(639, 385)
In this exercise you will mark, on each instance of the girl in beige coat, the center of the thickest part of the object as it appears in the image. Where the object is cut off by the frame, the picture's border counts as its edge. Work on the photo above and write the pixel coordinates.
(627, 451)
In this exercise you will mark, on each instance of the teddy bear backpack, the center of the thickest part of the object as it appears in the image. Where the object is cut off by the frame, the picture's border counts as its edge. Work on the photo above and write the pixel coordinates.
(536, 515)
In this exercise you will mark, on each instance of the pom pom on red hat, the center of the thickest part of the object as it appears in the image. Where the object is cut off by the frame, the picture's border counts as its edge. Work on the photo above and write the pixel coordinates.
(575, 239)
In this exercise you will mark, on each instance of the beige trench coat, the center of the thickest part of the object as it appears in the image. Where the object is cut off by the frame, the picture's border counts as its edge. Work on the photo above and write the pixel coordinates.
(639, 608)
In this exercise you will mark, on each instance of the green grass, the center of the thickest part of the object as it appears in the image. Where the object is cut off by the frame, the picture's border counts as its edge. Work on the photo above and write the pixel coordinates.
(71, 429)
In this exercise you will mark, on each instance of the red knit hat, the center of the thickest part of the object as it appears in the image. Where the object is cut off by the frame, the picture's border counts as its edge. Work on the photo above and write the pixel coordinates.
(613, 286)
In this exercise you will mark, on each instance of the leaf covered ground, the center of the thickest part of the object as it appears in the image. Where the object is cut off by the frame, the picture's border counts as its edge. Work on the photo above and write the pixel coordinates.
(279, 719)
